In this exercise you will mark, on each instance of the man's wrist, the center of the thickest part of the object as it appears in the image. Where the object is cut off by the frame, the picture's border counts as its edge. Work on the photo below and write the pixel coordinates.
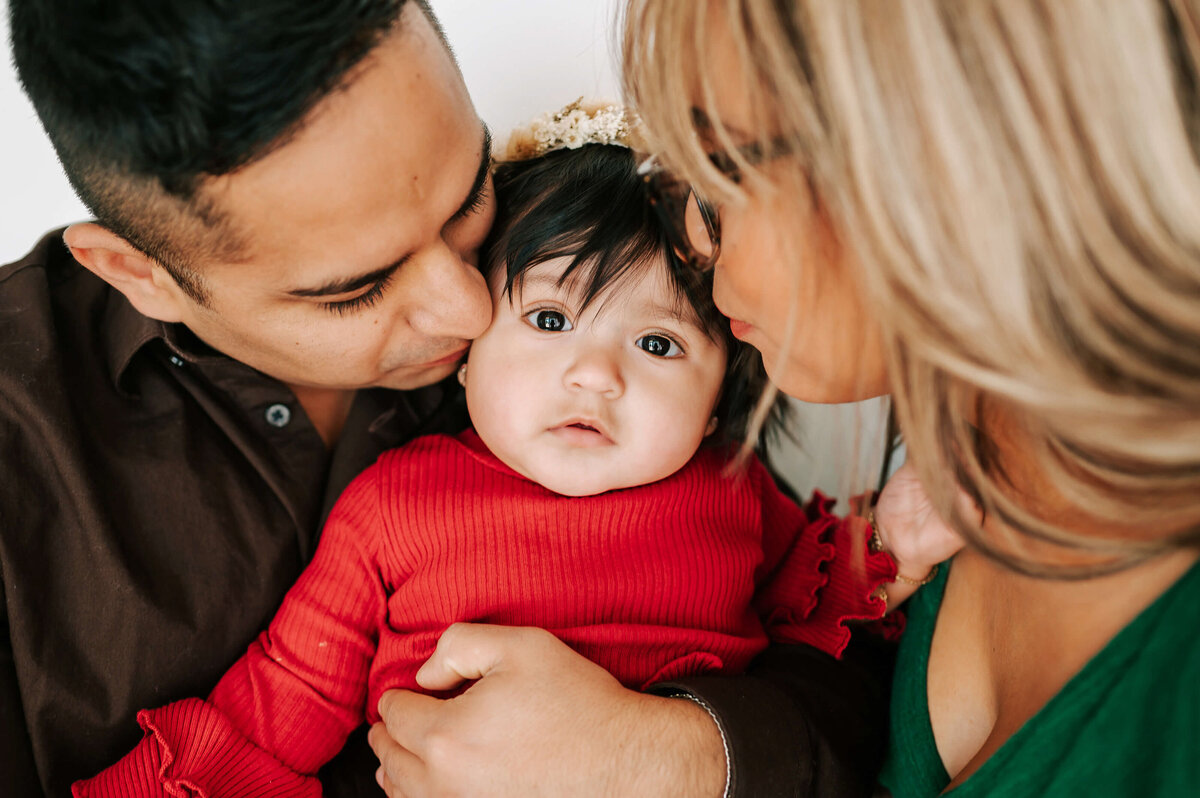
(726, 755)
(682, 749)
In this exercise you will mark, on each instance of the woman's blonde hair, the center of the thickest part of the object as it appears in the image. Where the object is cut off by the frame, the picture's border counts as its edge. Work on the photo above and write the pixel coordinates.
(1018, 183)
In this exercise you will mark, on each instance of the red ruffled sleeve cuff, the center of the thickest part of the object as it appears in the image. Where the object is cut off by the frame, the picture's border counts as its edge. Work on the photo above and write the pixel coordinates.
(890, 627)
(843, 593)
(191, 750)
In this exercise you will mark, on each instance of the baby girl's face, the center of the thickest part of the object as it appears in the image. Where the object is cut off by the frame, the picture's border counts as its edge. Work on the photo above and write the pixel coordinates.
(618, 395)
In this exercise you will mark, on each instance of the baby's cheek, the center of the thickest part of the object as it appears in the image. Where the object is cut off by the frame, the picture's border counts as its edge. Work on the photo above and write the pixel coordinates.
(669, 444)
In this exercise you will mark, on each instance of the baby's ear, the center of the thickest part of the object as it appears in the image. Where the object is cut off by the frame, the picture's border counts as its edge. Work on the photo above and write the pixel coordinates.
(713, 423)
(135, 274)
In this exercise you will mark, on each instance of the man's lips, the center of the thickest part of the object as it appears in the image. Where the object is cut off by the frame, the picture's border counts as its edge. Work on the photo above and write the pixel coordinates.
(450, 358)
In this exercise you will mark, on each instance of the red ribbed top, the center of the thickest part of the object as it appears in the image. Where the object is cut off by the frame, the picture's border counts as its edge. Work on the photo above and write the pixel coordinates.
(690, 574)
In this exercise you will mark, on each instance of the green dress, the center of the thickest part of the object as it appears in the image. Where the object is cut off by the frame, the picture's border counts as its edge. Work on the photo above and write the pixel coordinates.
(1127, 724)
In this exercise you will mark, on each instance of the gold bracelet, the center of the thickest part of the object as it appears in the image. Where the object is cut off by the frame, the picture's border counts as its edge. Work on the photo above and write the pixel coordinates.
(876, 542)
(876, 545)
(929, 577)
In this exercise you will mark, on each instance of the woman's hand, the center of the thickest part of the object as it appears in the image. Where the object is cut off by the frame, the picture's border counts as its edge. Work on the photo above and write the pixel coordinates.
(539, 721)
(909, 527)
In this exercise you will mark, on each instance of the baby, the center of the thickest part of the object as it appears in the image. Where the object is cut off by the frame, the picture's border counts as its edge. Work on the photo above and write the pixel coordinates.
(591, 498)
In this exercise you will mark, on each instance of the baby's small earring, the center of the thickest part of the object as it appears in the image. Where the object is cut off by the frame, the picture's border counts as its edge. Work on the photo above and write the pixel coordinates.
(462, 375)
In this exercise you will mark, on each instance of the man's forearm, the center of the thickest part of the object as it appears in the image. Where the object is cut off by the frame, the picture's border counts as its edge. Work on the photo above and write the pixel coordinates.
(686, 758)
(801, 723)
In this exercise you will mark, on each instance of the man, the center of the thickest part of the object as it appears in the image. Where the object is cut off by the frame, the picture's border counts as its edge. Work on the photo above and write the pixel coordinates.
(289, 202)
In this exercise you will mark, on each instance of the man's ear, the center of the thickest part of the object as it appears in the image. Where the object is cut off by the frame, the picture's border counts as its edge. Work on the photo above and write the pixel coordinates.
(139, 277)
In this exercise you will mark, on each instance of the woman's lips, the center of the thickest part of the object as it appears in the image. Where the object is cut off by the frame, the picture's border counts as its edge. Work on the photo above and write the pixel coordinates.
(740, 329)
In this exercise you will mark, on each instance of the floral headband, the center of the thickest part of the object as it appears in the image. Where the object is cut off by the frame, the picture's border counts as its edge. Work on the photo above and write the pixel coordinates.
(570, 128)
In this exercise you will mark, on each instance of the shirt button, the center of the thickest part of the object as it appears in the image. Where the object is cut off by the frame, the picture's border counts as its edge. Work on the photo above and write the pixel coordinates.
(279, 415)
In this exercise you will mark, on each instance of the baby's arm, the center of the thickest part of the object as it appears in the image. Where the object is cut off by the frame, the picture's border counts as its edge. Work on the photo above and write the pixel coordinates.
(818, 576)
(287, 706)
(907, 527)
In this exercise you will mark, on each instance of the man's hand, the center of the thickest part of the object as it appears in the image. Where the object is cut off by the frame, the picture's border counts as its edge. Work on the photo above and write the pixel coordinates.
(540, 721)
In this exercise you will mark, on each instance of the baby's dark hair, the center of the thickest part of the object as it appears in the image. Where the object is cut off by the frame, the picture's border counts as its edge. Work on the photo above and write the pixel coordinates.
(589, 204)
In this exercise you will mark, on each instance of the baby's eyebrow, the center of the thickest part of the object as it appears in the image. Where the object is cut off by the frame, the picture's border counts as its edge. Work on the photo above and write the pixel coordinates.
(541, 281)
(672, 313)
(527, 287)
(678, 313)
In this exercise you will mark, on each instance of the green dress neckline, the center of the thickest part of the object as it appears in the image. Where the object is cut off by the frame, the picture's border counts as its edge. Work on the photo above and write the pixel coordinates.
(913, 766)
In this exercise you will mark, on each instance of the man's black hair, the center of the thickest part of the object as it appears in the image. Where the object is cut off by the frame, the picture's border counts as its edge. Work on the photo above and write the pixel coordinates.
(589, 204)
(142, 99)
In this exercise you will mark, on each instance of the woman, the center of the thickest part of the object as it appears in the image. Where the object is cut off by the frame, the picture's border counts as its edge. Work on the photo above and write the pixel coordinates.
(990, 210)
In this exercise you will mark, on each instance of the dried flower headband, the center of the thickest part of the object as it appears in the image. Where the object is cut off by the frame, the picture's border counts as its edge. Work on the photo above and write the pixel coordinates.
(570, 128)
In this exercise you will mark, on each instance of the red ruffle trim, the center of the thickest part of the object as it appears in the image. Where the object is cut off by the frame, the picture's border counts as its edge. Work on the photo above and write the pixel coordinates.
(819, 610)
(191, 750)
(890, 627)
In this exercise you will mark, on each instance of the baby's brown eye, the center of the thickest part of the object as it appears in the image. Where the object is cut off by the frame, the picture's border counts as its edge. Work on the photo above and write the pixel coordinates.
(659, 346)
(548, 320)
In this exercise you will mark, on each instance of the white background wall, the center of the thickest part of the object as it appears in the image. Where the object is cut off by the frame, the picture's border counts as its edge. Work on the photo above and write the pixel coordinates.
(519, 59)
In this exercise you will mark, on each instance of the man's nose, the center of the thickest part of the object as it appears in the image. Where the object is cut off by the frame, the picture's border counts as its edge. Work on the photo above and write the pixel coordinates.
(450, 296)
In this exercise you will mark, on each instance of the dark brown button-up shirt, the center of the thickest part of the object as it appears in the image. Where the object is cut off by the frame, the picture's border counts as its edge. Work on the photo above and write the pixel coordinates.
(156, 501)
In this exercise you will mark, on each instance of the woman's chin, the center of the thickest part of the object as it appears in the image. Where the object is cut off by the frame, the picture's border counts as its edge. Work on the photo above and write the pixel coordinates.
(803, 382)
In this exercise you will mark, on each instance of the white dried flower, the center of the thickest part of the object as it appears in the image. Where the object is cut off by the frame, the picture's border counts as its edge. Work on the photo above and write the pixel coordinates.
(572, 127)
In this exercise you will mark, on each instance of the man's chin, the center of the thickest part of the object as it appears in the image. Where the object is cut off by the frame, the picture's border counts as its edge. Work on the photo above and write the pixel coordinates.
(408, 378)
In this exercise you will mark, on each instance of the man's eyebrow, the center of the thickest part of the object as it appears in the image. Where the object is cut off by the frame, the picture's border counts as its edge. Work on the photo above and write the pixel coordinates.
(347, 285)
(476, 192)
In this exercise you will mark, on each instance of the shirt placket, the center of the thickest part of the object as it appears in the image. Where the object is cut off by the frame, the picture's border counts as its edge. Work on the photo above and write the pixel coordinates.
(263, 418)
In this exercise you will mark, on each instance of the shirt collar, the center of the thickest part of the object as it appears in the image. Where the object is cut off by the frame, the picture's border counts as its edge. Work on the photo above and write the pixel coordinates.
(127, 332)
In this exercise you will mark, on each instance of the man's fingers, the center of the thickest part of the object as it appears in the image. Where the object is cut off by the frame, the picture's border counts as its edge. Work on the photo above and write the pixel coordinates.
(422, 739)
(397, 765)
(467, 652)
(408, 718)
